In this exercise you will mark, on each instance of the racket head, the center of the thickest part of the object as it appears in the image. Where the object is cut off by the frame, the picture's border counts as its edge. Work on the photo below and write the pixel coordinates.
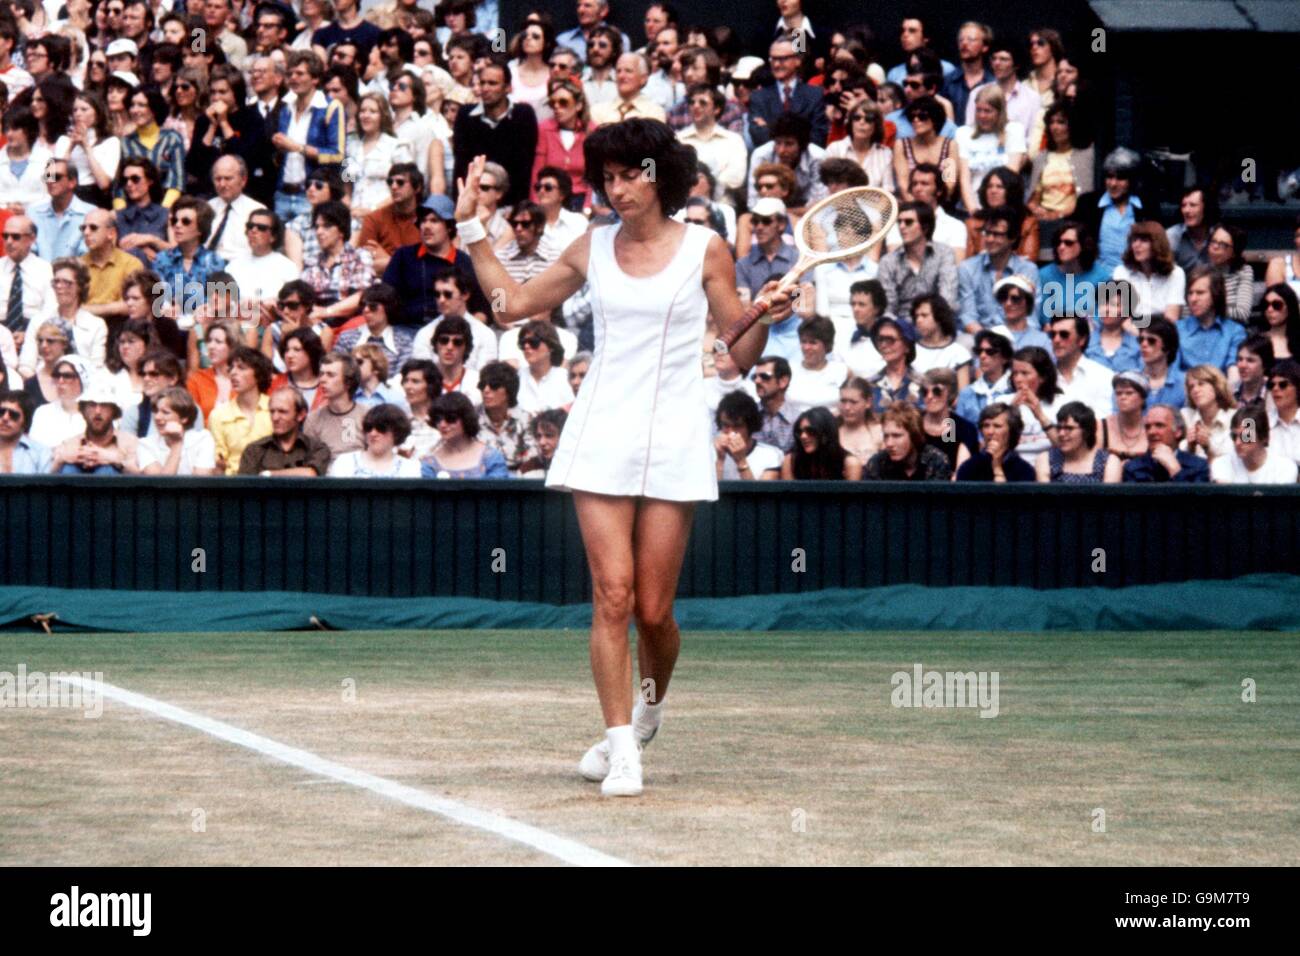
(845, 224)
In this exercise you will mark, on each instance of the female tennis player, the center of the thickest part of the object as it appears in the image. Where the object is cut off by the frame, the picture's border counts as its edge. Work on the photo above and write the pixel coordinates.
(636, 450)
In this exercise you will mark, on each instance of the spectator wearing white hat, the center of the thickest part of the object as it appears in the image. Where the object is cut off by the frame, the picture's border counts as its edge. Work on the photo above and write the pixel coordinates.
(771, 257)
(123, 56)
(100, 449)
(1015, 297)
(56, 421)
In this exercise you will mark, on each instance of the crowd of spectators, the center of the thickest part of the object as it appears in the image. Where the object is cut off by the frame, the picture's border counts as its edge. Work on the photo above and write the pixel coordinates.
(230, 248)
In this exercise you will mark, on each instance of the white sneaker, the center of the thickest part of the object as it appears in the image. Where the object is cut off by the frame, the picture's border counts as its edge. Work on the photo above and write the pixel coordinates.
(594, 765)
(624, 779)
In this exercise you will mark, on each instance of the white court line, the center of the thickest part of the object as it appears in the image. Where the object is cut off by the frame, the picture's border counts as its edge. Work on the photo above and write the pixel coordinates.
(562, 848)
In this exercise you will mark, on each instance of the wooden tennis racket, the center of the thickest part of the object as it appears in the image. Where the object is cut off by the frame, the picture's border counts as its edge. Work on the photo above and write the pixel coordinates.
(841, 226)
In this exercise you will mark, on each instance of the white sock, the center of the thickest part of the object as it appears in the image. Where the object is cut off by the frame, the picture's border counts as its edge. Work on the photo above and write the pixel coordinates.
(647, 717)
(621, 740)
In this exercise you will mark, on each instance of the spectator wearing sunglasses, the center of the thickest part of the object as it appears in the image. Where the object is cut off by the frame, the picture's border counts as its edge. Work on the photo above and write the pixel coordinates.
(1253, 460)
(460, 453)
(185, 269)
(771, 379)
(393, 225)
(956, 437)
(453, 291)
(19, 454)
(453, 343)
(142, 221)
(1282, 320)
(992, 382)
(58, 220)
(1069, 282)
(379, 306)
(978, 275)
(502, 423)
(1081, 378)
(554, 189)
(1015, 298)
(1158, 347)
(1283, 420)
(264, 270)
(560, 139)
(530, 251)
(543, 381)
(919, 266)
(385, 427)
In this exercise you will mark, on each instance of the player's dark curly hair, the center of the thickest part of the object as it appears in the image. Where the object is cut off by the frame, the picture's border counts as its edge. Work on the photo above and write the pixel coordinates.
(632, 142)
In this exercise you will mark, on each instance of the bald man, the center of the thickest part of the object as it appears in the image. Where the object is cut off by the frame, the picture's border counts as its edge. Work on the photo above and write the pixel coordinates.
(630, 76)
(230, 209)
(109, 266)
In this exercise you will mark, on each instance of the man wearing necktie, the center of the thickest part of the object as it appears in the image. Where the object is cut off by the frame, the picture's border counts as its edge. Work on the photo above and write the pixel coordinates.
(25, 288)
(230, 209)
(787, 95)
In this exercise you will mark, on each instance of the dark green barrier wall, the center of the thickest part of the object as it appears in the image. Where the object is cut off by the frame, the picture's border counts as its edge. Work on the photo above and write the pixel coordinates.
(405, 539)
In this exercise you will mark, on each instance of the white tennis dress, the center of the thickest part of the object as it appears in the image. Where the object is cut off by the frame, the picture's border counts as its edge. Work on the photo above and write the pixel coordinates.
(640, 424)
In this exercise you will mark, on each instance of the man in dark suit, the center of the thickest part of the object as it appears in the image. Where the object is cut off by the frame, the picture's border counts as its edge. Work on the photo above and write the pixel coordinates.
(788, 95)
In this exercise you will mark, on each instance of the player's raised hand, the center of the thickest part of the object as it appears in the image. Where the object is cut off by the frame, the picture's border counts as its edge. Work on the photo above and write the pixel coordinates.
(467, 201)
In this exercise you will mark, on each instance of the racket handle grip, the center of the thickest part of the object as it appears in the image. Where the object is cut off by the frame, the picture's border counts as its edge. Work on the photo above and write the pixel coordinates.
(731, 335)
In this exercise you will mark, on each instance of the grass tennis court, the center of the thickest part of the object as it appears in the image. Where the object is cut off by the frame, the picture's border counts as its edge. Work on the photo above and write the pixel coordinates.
(777, 748)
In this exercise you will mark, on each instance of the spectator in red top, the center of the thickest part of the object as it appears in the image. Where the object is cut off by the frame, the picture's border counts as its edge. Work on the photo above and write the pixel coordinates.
(560, 138)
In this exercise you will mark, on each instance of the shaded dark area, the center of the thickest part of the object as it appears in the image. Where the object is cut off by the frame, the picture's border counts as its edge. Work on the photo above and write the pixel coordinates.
(449, 539)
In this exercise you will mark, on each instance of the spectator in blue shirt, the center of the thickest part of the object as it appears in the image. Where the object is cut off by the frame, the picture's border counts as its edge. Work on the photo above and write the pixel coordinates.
(1207, 337)
(921, 80)
(973, 41)
(977, 275)
(19, 455)
(1110, 344)
(186, 268)
(1158, 347)
(1163, 461)
(58, 220)
(993, 354)
(771, 257)
(1112, 212)
(1068, 284)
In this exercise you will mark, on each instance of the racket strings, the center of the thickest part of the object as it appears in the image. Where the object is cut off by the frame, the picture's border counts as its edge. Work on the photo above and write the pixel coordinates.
(846, 224)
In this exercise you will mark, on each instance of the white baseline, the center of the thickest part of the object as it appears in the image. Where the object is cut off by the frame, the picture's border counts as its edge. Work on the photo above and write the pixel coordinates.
(561, 848)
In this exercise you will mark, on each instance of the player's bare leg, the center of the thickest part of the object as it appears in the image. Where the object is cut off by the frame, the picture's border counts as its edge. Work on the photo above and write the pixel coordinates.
(607, 530)
(662, 532)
